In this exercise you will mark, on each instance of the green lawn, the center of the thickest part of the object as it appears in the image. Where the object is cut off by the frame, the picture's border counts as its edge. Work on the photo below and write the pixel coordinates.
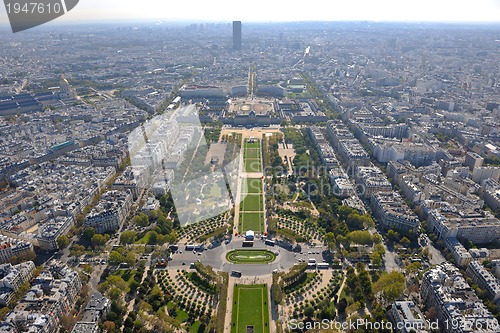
(126, 274)
(252, 203)
(252, 165)
(250, 308)
(143, 240)
(343, 294)
(181, 316)
(252, 186)
(194, 328)
(251, 153)
(251, 221)
(250, 256)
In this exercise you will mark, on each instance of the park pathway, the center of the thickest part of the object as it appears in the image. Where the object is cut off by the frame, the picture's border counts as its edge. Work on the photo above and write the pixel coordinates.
(237, 201)
(344, 274)
(229, 308)
(130, 306)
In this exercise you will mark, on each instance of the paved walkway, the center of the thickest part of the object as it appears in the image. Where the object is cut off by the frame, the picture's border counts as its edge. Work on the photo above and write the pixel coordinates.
(287, 152)
(130, 306)
(237, 202)
(229, 309)
(344, 274)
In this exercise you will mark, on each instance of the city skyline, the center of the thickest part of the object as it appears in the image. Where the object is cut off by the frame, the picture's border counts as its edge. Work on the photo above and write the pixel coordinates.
(483, 11)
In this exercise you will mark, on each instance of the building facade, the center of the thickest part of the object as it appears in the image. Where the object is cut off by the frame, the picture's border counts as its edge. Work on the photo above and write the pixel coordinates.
(484, 279)
(392, 212)
(237, 38)
(110, 212)
(407, 315)
(445, 289)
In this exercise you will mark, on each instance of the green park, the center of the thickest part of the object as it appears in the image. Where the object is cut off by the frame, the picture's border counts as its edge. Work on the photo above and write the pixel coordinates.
(250, 256)
(250, 309)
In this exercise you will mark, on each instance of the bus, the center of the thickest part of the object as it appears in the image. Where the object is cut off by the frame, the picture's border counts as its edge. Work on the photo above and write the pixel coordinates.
(270, 242)
(323, 265)
(194, 247)
(236, 273)
(247, 243)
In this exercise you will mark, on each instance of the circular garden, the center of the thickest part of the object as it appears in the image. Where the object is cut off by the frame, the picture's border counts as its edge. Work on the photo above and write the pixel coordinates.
(250, 256)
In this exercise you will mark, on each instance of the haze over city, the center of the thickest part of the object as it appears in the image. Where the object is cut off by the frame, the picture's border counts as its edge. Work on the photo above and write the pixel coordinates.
(283, 11)
(250, 167)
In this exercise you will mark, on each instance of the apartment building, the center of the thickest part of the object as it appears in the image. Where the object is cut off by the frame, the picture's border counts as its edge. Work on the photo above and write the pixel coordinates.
(445, 289)
(484, 279)
(12, 277)
(110, 211)
(392, 212)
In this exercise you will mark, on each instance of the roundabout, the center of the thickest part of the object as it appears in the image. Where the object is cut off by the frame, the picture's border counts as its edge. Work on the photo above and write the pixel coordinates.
(255, 256)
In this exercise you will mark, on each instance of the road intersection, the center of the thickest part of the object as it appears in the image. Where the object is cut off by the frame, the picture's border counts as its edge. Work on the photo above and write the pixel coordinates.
(216, 258)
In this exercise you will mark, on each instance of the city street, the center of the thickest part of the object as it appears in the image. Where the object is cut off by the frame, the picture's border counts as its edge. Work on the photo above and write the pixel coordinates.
(216, 258)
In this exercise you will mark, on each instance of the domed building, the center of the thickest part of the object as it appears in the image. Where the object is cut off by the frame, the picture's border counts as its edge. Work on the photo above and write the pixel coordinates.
(66, 92)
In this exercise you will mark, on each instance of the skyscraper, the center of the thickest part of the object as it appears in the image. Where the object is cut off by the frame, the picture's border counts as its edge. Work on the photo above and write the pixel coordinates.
(237, 35)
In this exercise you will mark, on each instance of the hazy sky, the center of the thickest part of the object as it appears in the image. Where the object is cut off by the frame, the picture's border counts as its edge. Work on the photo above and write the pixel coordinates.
(291, 10)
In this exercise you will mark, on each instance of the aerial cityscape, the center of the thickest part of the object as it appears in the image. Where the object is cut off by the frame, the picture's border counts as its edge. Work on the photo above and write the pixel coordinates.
(250, 177)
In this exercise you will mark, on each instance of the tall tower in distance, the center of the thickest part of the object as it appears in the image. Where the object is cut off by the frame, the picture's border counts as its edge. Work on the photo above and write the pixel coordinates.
(237, 35)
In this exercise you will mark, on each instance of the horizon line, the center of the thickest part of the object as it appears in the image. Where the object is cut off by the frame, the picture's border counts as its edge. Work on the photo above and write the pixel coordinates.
(166, 21)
